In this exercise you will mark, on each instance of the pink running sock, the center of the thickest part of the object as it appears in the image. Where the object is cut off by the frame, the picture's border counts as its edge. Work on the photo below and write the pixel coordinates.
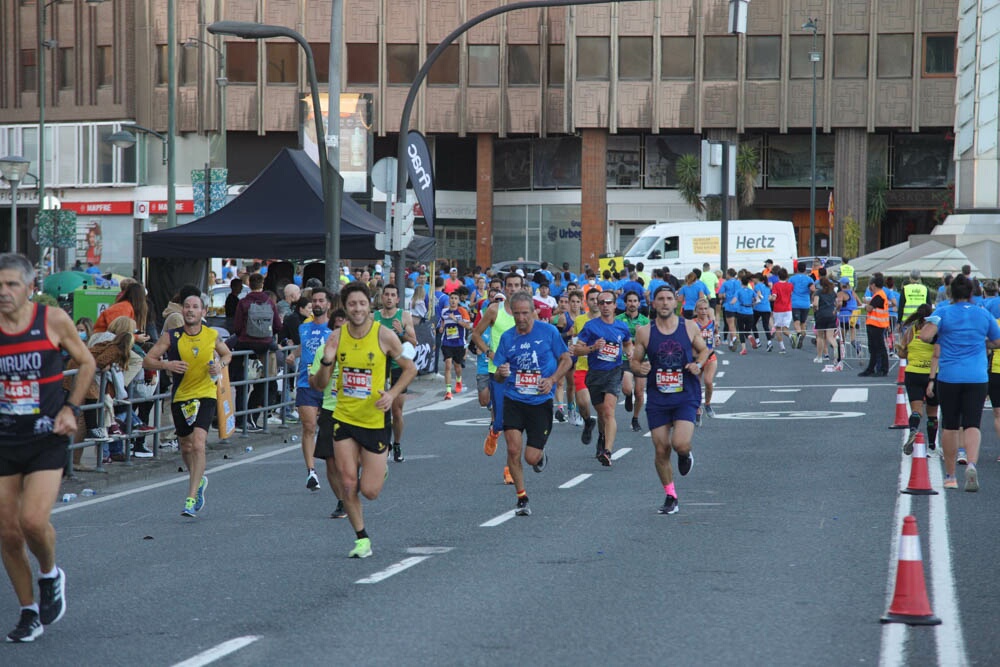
(669, 488)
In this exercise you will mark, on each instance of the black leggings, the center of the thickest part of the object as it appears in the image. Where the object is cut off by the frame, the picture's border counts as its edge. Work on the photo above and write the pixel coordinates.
(765, 316)
(961, 403)
(744, 324)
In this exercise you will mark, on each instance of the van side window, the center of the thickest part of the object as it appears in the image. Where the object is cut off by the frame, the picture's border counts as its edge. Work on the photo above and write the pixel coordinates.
(671, 247)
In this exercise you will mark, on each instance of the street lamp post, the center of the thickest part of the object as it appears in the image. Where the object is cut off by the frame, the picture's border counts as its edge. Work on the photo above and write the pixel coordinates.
(814, 57)
(13, 168)
(223, 83)
(332, 192)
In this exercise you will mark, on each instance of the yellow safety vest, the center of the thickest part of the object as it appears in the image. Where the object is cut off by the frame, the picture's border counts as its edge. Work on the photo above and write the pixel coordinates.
(915, 294)
(847, 271)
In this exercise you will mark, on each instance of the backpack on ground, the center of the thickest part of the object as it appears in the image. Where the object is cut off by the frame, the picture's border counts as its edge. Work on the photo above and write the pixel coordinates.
(260, 320)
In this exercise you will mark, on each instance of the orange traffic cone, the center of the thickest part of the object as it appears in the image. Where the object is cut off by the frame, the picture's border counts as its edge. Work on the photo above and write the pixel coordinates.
(920, 480)
(902, 410)
(909, 601)
(901, 376)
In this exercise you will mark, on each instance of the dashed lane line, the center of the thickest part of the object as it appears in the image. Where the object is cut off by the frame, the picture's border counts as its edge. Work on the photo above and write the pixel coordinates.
(497, 520)
(218, 652)
(424, 553)
(618, 453)
(576, 480)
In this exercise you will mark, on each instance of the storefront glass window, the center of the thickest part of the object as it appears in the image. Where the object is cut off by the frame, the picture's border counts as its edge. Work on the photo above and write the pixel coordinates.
(662, 153)
(537, 232)
(922, 161)
(556, 163)
(624, 163)
(788, 161)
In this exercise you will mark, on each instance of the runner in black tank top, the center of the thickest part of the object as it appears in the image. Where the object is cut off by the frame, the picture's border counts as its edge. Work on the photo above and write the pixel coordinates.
(35, 418)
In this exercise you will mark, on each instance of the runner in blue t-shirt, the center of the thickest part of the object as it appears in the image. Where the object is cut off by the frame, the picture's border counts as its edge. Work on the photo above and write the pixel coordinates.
(308, 401)
(742, 303)
(606, 342)
(692, 290)
(802, 289)
(727, 290)
(762, 308)
(530, 359)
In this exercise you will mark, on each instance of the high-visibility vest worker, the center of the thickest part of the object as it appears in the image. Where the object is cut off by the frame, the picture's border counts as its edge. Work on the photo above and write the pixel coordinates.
(878, 317)
(914, 295)
(847, 271)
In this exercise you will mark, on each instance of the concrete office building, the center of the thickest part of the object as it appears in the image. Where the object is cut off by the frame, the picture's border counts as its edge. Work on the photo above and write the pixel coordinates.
(555, 131)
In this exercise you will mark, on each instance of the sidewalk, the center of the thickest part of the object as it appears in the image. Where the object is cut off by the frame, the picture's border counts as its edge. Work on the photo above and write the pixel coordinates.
(424, 390)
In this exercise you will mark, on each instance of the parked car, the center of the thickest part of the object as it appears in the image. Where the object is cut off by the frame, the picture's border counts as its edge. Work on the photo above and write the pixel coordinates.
(217, 299)
(528, 267)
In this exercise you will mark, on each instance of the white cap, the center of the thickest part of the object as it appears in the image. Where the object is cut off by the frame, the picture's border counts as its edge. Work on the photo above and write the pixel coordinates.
(520, 273)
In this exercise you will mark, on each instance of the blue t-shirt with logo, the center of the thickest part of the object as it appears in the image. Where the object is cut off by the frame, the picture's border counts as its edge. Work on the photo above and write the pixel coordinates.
(961, 331)
(763, 304)
(615, 336)
(801, 294)
(744, 301)
(312, 336)
(532, 356)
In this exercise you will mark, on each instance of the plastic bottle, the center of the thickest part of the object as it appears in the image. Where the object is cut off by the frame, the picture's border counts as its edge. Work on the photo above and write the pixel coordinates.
(68, 497)
(88, 492)
(248, 450)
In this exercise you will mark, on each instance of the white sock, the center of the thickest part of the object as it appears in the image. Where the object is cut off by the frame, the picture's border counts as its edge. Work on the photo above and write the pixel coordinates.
(31, 607)
(50, 575)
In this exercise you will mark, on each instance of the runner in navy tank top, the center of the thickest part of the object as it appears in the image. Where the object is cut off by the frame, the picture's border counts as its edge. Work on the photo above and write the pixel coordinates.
(35, 420)
(677, 354)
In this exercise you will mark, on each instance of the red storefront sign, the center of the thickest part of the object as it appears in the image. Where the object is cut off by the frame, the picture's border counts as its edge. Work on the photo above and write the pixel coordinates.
(124, 207)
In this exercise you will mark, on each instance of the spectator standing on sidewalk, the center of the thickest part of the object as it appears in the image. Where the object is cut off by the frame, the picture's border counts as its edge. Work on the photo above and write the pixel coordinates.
(255, 322)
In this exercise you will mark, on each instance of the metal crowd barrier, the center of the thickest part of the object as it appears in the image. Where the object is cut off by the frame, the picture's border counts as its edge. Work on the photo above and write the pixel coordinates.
(159, 400)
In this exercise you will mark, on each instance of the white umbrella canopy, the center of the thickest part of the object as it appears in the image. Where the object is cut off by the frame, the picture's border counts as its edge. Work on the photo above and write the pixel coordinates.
(934, 264)
(864, 264)
(984, 256)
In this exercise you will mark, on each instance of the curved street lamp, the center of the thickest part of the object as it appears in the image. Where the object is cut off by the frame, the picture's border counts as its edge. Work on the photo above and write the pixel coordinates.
(14, 168)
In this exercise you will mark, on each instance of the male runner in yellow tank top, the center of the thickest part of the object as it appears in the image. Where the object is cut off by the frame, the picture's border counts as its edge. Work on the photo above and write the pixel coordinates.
(191, 352)
(361, 351)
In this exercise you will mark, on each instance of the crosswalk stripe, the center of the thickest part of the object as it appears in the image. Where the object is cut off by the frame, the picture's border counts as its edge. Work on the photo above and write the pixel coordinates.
(850, 395)
(720, 396)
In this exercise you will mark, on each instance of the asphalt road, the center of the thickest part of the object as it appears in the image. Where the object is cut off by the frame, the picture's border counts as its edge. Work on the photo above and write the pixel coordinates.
(783, 552)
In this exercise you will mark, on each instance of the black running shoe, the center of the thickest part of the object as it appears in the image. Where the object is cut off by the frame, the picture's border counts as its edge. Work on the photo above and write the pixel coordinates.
(908, 445)
(52, 604)
(339, 512)
(600, 444)
(628, 402)
(397, 453)
(685, 463)
(560, 415)
(635, 424)
(312, 481)
(522, 508)
(801, 339)
(540, 466)
(604, 456)
(28, 628)
(588, 430)
(669, 506)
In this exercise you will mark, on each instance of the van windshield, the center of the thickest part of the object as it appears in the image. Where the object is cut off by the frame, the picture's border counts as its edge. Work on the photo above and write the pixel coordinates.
(640, 246)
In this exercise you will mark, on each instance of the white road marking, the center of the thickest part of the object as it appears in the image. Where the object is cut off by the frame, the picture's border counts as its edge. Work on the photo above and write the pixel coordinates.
(768, 402)
(218, 652)
(850, 395)
(573, 482)
(175, 480)
(891, 651)
(618, 453)
(720, 396)
(720, 374)
(704, 504)
(725, 362)
(786, 391)
(949, 636)
(395, 568)
(497, 520)
(447, 405)
(428, 551)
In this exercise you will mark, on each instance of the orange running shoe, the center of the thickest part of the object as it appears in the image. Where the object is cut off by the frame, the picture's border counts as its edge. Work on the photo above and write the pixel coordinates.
(458, 387)
(447, 395)
(507, 479)
(490, 444)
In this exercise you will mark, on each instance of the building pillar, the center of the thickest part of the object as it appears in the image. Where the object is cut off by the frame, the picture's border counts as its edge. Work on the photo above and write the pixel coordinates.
(593, 197)
(484, 200)
(850, 189)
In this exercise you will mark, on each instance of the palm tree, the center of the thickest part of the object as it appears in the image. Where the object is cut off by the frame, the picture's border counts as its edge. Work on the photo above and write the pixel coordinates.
(688, 170)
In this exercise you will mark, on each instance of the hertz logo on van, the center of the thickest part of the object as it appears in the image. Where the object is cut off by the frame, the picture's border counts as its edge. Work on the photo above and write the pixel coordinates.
(761, 242)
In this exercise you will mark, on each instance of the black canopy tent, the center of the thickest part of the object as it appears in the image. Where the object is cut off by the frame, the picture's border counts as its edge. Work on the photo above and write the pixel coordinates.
(279, 215)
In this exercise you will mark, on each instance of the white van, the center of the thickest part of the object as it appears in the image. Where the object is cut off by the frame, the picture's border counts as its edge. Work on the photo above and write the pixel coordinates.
(682, 246)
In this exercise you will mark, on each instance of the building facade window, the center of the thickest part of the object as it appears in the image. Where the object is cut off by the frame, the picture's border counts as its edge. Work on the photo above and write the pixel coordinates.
(922, 161)
(444, 72)
(556, 162)
(321, 54)
(29, 71)
(720, 58)
(624, 162)
(895, 56)
(282, 62)
(362, 63)
(557, 65)
(241, 62)
(484, 65)
(188, 72)
(512, 164)
(677, 58)
(105, 66)
(635, 58)
(662, 153)
(67, 68)
(939, 55)
(523, 65)
(850, 56)
(401, 63)
(593, 57)
(763, 57)
(536, 232)
(799, 48)
(162, 65)
(788, 161)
